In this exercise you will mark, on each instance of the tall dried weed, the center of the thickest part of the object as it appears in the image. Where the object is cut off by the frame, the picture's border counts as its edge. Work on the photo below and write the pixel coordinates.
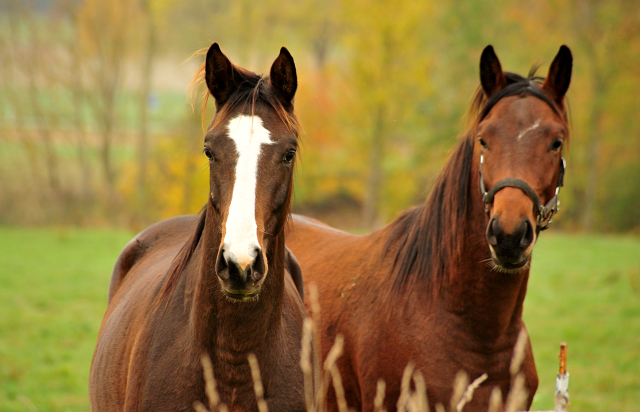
(413, 395)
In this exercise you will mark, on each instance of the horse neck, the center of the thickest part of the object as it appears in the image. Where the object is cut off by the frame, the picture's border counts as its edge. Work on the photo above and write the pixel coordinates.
(486, 302)
(235, 327)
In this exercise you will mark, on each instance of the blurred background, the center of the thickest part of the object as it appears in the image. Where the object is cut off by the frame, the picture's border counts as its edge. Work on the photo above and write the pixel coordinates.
(97, 141)
(95, 128)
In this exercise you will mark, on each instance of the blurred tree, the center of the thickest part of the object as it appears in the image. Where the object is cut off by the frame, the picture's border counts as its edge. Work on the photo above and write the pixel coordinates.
(105, 30)
(596, 24)
(29, 40)
(73, 80)
(149, 11)
(604, 36)
(386, 81)
(383, 87)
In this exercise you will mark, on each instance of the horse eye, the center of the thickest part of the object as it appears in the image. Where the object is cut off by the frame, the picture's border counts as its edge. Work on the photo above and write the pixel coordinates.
(208, 153)
(482, 143)
(556, 145)
(288, 158)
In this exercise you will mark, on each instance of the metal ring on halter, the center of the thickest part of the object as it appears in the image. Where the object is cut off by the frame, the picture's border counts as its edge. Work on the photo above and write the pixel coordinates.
(544, 213)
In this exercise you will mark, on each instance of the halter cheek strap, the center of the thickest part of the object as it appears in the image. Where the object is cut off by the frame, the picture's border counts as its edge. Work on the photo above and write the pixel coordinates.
(544, 213)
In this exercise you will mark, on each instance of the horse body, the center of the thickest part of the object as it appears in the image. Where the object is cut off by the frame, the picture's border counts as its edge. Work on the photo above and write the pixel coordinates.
(218, 284)
(443, 285)
(472, 327)
(169, 341)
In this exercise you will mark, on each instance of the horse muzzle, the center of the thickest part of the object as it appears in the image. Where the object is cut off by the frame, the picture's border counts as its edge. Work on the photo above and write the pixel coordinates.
(241, 279)
(510, 249)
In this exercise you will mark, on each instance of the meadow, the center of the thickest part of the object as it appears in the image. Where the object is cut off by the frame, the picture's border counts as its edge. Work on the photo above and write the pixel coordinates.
(583, 289)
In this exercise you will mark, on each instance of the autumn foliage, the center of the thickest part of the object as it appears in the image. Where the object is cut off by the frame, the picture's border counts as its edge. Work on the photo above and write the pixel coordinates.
(95, 128)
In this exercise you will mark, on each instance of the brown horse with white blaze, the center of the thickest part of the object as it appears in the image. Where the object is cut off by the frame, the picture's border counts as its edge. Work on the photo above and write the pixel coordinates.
(443, 285)
(221, 283)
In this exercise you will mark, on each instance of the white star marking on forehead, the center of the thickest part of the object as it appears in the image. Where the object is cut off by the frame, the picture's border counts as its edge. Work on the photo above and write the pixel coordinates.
(534, 126)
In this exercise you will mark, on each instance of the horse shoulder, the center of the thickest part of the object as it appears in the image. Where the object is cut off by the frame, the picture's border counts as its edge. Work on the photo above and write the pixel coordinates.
(164, 233)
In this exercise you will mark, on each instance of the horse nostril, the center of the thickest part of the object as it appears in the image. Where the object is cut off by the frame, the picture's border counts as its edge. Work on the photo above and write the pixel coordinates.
(222, 265)
(258, 265)
(492, 230)
(527, 236)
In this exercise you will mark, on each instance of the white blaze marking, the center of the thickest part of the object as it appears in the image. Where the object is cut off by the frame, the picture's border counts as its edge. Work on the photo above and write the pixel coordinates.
(534, 126)
(241, 240)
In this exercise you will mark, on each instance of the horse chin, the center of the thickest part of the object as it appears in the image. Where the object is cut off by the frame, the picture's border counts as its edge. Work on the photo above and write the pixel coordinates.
(508, 266)
(239, 296)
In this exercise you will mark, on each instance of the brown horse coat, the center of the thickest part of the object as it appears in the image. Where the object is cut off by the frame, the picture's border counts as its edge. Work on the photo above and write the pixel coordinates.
(436, 287)
(191, 285)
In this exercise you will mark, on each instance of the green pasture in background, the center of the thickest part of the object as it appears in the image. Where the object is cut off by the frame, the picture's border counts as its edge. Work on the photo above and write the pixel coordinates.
(583, 289)
(53, 294)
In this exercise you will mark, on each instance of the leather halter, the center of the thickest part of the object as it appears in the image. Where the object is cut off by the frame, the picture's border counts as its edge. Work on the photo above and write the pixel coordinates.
(544, 213)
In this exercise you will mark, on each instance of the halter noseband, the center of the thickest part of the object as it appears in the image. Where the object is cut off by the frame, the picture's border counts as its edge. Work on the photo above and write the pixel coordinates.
(544, 213)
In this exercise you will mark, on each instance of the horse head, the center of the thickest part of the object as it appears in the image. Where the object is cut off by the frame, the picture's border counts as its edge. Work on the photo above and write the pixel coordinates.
(251, 146)
(521, 133)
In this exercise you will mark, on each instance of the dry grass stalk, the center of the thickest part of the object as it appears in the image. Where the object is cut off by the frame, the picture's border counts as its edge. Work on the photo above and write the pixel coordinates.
(460, 383)
(331, 370)
(519, 352)
(495, 400)
(257, 383)
(418, 401)
(412, 400)
(378, 401)
(517, 396)
(405, 387)
(199, 407)
(409, 400)
(209, 388)
(314, 303)
(337, 386)
(306, 364)
(468, 393)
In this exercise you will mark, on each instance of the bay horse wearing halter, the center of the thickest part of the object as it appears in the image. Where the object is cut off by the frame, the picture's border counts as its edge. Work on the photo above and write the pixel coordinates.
(443, 285)
(215, 283)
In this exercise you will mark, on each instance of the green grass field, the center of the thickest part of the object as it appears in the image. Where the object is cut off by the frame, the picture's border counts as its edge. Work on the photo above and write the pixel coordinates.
(584, 290)
(53, 294)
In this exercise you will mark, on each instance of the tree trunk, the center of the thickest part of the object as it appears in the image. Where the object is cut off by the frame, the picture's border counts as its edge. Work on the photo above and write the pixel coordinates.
(145, 90)
(594, 134)
(76, 88)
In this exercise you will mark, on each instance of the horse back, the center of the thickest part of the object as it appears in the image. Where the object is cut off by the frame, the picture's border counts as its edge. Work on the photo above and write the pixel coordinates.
(162, 234)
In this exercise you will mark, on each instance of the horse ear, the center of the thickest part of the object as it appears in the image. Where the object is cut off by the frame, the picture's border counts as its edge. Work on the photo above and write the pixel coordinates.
(491, 76)
(559, 77)
(219, 75)
(284, 79)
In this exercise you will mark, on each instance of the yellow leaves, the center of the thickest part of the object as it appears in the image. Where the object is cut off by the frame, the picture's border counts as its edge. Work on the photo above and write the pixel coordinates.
(177, 182)
(109, 29)
(180, 179)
